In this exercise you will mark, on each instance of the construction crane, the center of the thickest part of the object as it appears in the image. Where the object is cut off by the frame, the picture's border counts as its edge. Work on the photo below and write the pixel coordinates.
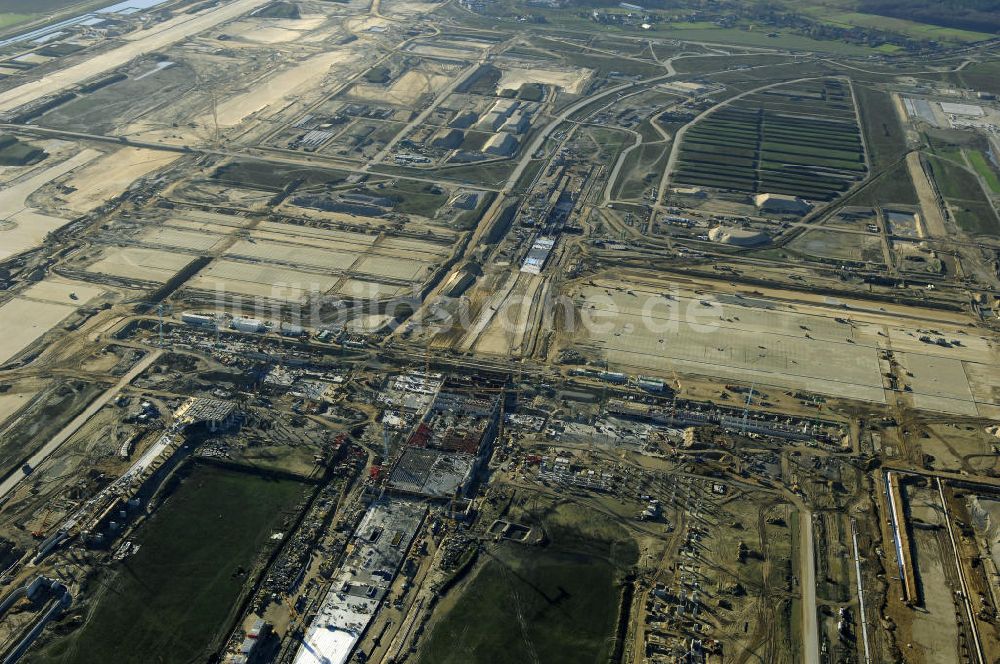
(677, 380)
(292, 612)
(162, 308)
(216, 136)
(746, 407)
(39, 532)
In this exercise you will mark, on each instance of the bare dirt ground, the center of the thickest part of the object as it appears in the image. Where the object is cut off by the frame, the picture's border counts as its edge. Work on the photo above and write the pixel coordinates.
(111, 175)
(140, 43)
(62, 291)
(405, 90)
(277, 90)
(933, 221)
(17, 334)
(934, 631)
(15, 399)
(517, 319)
(274, 31)
(23, 227)
(570, 80)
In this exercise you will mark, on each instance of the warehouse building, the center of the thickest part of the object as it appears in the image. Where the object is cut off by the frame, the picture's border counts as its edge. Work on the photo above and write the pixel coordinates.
(492, 121)
(214, 414)
(291, 330)
(517, 123)
(252, 325)
(464, 120)
(505, 106)
(198, 320)
(537, 256)
(465, 200)
(448, 139)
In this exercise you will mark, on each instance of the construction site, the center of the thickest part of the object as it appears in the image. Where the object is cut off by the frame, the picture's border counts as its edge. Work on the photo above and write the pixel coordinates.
(497, 331)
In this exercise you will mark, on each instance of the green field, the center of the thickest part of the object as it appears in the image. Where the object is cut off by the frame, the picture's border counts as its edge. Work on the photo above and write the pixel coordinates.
(954, 182)
(555, 604)
(605, 65)
(757, 38)
(965, 197)
(17, 153)
(10, 19)
(893, 187)
(279, 9)
(886, 138)
(801, 140)
(488, 173)
(379, 74)
(946, 151)
(813, 27)
(15, 12)
(643, 167)
(900, 26)
(986, 171)
(699, 64)
(168, 602)
(886, 142)
(41, 419)
(571, 19)
(270, 177)
(606, 143)
(411, 196)
(977, 218)
(983, 76)
(531, 92)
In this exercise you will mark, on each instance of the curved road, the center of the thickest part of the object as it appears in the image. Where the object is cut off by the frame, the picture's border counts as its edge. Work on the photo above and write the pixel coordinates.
(544, 134)
(527, 154)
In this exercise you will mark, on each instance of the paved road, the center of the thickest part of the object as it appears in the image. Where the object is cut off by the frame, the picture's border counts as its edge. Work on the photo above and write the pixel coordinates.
(544, 134)
(807, 577)
(54, 443)
(527, 153)
(269, 156)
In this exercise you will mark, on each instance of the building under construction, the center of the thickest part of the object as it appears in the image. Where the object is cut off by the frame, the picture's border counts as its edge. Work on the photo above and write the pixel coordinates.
(447, 447)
